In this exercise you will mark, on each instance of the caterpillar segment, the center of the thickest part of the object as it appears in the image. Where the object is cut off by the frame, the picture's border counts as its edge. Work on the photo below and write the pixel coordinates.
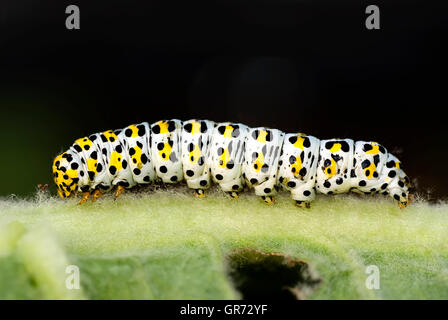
(262, 153)
(196, 145)
(232, 155)
(297, 167)
(166, 150)
(334, 168)
(226, 157)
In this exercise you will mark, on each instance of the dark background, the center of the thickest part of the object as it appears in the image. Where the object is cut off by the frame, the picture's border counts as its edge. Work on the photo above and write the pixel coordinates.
(308, 66)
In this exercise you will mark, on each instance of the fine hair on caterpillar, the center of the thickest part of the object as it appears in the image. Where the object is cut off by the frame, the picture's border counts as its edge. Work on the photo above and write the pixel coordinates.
(232, 155)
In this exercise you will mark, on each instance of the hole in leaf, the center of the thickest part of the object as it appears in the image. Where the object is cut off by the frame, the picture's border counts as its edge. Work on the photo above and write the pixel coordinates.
(258, 275)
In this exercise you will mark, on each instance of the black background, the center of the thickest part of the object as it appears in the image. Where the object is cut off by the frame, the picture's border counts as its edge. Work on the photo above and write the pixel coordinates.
(308, 66)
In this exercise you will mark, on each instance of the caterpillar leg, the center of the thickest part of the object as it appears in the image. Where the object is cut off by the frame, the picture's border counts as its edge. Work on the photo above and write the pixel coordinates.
(403, 199)
(408, 200)
(303, 204)
(85, 197)
(268, 199)
(199, 193)
(403, 204)
(233, 194)
(96, 194)
(120, 190)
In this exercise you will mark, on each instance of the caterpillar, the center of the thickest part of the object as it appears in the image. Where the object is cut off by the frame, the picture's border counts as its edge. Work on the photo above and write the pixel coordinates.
(232, 155)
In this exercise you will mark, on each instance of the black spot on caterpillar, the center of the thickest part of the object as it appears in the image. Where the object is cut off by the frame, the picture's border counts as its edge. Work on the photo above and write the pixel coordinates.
(231, 155)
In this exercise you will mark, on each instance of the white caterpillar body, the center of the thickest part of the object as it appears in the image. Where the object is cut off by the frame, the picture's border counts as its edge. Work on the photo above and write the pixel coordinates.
(231, 155)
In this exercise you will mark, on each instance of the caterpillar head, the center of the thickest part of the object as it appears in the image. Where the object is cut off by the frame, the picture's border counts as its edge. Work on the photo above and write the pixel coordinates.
(398, 182)
(65, 173)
